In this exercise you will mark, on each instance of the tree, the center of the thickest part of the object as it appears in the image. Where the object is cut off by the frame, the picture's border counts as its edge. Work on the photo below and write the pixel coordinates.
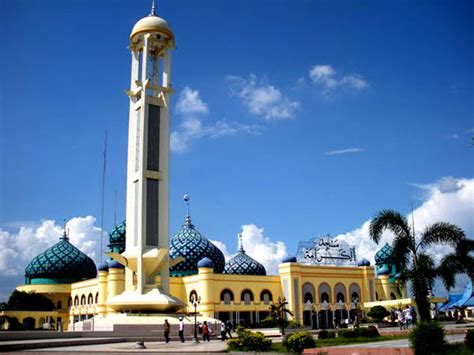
(416, 266)
(29, 301)
(378, 313)
(279, 311)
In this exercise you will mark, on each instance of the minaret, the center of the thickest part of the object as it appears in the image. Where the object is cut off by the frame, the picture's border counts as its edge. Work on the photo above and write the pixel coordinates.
(146, 250)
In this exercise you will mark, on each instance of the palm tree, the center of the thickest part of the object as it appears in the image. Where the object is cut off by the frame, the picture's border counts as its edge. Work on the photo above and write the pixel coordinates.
(461, 261)
(279, 312)
(416, 266)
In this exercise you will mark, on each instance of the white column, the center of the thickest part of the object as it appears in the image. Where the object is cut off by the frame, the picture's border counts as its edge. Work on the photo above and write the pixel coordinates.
(167, 67)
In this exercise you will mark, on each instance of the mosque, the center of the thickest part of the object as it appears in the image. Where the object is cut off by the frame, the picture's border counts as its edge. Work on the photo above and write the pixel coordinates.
(149, 277)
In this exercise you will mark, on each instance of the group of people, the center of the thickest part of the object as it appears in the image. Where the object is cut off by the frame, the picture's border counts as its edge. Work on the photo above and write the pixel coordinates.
(204, 329)
(406, 317)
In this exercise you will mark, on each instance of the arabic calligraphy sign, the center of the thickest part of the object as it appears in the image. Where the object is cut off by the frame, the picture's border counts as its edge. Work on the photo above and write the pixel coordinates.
(325, 250)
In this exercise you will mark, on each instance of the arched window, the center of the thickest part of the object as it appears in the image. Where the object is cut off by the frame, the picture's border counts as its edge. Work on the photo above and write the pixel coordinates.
(266, 297)
(97, 297)
(392, 296)
(83, 300)
(308, 292)
(69, 302)
(76, 301)
(59, 305)
(354, 291)
(90, 299)
(193, 296)
(377, 296)
(227, 296)
(340, 292)
(324, 293)
(246, 296)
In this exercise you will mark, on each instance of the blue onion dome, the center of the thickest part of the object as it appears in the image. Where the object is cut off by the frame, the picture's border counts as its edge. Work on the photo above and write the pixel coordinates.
(193, 247)
(114, 264)
(383, 271)
(384, 255)
(62, 263)
(117, 238)
(206, 262)
(242, 264)
(103, 266)
(363, 262)
(289, 259)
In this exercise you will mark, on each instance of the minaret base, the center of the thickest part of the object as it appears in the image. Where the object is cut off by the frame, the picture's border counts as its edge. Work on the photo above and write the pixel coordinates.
(153, 300)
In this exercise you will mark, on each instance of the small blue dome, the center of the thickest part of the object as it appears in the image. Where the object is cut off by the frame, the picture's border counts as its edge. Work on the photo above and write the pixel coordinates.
(383, 271)
(289, 259)
(363, 262)
(114, 264)
(103, 266)
(205, 262)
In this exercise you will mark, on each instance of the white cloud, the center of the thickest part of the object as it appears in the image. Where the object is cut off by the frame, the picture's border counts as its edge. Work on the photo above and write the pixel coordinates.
(223, 248)
(345, 151)
(262, 249)
(449, 200)
(262, 99)
(192, 108)
(17, 249)
(190, 102)
(328, 80)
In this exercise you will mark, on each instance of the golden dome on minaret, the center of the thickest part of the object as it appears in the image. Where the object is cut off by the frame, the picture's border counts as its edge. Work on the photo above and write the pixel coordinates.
(152, 23)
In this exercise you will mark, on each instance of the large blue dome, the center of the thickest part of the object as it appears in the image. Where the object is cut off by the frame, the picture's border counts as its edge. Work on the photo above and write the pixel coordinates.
(242, 264)
(384, 255)
(193, 247)
(62, 263)
(117, 238)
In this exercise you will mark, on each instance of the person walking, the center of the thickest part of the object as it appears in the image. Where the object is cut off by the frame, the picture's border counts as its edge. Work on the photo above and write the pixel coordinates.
(167, 329)
(223, 331)
(181, 329)
(228, 328)
(400, 318)
(407, 315)
(205, 331)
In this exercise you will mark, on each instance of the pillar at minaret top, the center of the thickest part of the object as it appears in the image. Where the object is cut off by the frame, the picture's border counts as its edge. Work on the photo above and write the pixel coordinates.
(152, 23)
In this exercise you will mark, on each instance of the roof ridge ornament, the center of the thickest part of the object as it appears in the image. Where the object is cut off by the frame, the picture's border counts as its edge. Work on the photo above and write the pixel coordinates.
(65, 235)
(241, 244)
(152, 13)
(187, 221)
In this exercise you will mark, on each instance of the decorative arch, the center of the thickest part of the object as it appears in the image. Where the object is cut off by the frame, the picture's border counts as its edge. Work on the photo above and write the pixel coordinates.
(193, 296)
(308, 292)
(90, 299)
(324, 292)
(76, 301)
(69, 302)
(246, 296)
(392, 296)
(227, 296)
(83, 300)
(340, 292)
(97, 298)
(354, 292)
(266, 297)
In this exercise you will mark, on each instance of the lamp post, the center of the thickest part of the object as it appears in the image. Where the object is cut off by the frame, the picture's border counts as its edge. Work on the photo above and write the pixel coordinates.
(195, 302)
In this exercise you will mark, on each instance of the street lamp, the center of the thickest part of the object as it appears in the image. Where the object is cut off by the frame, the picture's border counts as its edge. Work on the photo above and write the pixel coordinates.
(195, 302)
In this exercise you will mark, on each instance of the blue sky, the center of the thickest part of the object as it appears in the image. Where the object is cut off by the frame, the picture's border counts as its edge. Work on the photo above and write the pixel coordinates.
(314, 114)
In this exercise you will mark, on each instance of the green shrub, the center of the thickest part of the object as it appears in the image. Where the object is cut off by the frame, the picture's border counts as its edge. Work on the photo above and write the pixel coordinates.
(298, 341)
(268, 322)
(292, 324)
(378, 313)
(427, 338)
(324, 334)
(369, 332)
(249, 341)
(469, 339)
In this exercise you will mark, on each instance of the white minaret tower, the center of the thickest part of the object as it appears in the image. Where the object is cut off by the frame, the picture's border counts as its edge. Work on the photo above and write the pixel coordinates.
(146, 251)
